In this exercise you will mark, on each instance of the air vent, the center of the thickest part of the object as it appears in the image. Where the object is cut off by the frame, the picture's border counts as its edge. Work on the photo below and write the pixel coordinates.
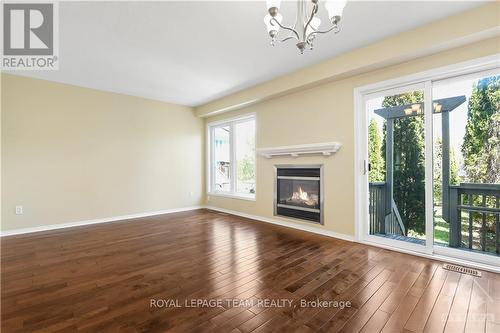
(461, 269)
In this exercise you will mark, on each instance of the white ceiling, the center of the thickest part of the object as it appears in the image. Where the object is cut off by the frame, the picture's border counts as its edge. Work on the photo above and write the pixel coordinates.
(194, 52)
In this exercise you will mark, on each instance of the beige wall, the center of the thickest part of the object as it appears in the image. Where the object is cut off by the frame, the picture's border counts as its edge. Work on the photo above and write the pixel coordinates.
(320, 114)
(72, 154)
(482, 23)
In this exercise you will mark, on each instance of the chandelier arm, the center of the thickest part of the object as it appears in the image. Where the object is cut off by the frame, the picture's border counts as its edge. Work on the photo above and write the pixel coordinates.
(287, 38)
(296, 17)
(323, 31)
(314, 11)
(286, 28)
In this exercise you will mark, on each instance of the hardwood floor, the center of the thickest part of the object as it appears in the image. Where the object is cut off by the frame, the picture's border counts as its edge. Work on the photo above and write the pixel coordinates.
(102, 278)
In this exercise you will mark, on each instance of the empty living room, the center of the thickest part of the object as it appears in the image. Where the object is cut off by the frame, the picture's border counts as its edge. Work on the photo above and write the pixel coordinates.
(250, 166)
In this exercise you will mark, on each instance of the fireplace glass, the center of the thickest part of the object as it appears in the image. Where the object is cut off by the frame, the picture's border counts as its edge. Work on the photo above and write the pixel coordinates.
(298, 193)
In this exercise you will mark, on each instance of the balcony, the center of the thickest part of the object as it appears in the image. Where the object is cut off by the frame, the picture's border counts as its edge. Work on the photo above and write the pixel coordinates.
(471, 217)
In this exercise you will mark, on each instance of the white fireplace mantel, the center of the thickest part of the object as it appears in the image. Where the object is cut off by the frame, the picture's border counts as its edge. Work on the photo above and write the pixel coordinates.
(324, 148)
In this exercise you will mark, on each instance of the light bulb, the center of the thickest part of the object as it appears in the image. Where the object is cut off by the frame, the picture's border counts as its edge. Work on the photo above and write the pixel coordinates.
(270, 24)
(273, 3)
(335, 9)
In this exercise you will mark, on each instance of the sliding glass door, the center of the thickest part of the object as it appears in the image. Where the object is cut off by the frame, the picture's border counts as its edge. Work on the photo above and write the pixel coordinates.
(466, 164)
(396, 165)
(431, 179)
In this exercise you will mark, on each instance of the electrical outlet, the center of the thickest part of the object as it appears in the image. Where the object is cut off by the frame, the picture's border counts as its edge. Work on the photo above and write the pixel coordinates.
(19, 210)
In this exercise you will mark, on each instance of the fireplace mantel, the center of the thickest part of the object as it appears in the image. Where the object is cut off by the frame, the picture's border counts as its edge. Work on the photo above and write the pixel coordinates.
(324, 148)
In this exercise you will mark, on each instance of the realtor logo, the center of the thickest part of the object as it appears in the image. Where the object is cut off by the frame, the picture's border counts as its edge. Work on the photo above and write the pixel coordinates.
(29, 36)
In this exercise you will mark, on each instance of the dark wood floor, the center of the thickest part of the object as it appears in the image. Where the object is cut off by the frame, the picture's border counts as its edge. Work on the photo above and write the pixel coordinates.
(102, 278)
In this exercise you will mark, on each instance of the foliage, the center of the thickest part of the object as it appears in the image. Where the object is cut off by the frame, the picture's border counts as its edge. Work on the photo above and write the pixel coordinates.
(409, 162)
(438, 170)
(481, 146)
(454, 176)
(377, 164)
(246, 169)
(492, 157)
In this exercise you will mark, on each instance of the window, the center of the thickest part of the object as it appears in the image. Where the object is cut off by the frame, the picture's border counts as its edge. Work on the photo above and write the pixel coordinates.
(232, 157)
(434, 136)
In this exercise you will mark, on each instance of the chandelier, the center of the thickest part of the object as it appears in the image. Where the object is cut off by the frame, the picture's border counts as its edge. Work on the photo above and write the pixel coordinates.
(306, 26)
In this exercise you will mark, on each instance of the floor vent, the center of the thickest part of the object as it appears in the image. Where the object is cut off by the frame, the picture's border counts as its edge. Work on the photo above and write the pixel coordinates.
(461, 269)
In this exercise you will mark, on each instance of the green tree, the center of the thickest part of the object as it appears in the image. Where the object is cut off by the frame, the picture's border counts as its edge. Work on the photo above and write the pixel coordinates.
(377, 167)
(454, 177)
(409, 162)
(481, 146)
(438, 170)
(246, 168)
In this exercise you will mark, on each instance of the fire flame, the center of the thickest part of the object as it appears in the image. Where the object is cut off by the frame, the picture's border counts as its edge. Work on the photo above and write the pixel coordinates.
(300, 195)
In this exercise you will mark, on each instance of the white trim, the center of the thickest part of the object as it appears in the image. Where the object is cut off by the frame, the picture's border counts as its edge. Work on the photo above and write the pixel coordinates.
(231, 195)
(360, 142)
(444, 258)
(435, 74)
(361, 178)
(209, 157)
(396, 244)
(283, 223)
(427, 78)
(95, 221)
(324, 148)
(232, 160)
(395, 90)
(210, 171)
(473, 75)
(469, 256)
(227, 121)
(415, 54)
(286, 223)
(429, 169)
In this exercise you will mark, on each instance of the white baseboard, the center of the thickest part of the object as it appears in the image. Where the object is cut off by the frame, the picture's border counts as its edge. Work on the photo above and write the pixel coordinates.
(95, 221)
(287, 224)
(458, 261)
(467, 263)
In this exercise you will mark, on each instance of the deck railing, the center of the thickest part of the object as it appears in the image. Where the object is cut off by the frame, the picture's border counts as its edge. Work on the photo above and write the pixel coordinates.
(377, 208)
(474, 217)
(383, 220)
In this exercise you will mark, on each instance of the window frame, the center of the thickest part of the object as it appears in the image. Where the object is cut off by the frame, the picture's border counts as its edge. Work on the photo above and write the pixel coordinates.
(231, 123)
(488, 64)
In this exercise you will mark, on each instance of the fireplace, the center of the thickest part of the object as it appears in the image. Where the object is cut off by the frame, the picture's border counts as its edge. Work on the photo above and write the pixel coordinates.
(298, 192)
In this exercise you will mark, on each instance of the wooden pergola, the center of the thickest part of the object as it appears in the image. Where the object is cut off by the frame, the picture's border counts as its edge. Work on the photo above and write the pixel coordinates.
(443, 106)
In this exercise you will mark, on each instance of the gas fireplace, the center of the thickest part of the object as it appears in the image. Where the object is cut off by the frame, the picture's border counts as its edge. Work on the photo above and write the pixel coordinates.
(298, 192)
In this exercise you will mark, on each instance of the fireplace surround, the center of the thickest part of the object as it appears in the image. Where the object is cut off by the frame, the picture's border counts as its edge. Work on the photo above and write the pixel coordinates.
(298, 192)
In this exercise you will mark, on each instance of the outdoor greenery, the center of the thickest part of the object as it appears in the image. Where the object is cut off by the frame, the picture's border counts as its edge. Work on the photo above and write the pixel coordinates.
(246, 169)
(480, 150)
(481, 146)
(438, 170)
(377, 163)
(409, 159)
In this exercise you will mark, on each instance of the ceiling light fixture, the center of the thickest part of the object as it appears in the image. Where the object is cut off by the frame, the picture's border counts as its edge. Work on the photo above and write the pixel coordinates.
(306, 26)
